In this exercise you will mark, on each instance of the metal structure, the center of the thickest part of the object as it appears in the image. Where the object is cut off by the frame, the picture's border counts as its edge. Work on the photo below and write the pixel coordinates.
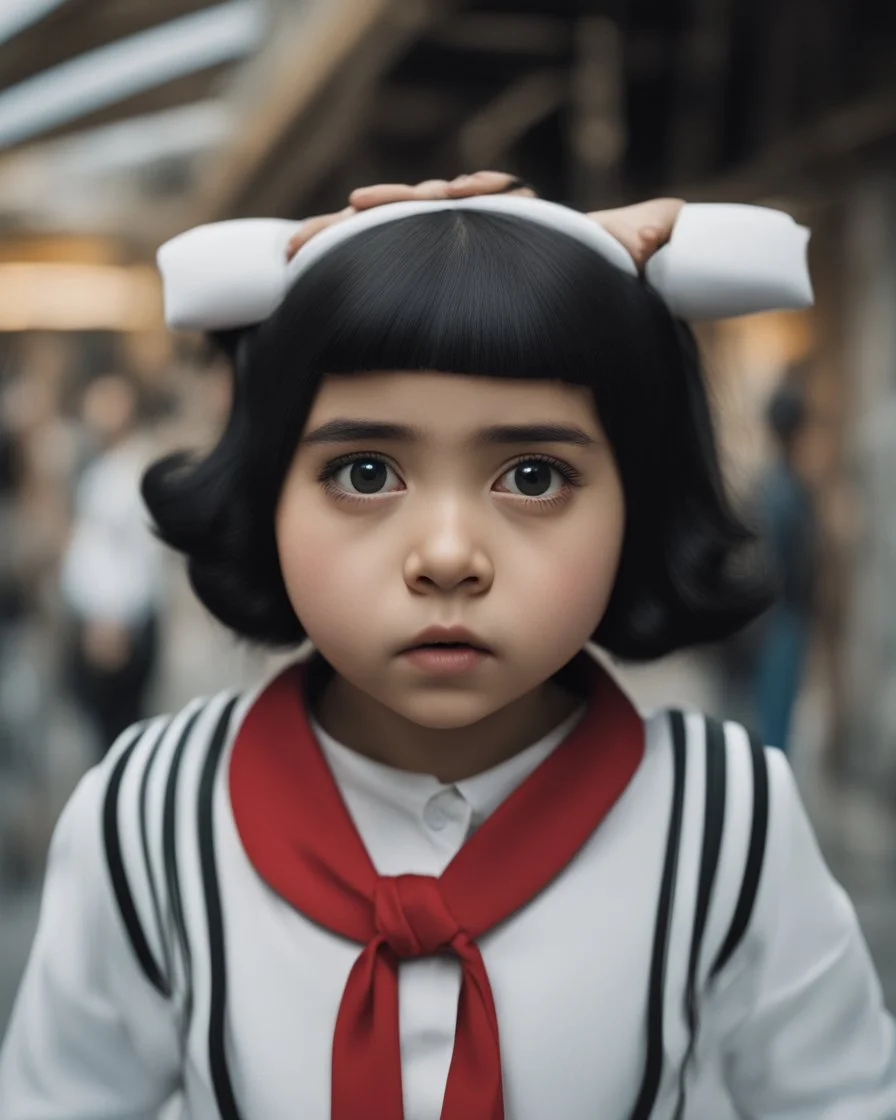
(595, 101)
(72, 30)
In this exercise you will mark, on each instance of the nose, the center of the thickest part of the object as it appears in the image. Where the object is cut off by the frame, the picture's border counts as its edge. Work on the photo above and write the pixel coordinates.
(448, 552)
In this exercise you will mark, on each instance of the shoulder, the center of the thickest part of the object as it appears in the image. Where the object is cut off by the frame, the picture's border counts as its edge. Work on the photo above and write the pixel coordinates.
(758, 855)
(119, 829)
(142, 777)
(717, 750)
(795, 872)
(724, 790)
(145, 755)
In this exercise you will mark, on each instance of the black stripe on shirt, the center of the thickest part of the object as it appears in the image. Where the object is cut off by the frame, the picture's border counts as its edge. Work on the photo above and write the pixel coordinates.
(169, 856)
(217, 1055)
(115, 862)
(150, 875)
(713, 823)
(755, 857)
(654, 1064)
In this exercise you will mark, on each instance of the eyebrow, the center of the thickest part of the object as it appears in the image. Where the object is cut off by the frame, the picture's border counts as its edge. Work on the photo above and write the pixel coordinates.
(345, 430)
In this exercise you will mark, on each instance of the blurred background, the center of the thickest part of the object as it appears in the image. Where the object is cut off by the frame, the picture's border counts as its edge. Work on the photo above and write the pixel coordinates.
(123, 122)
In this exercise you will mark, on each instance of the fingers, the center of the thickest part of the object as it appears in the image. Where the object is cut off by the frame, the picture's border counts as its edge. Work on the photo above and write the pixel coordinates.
(365, 197)
(641, 229)
(652, 238)
(463, 186)
(619, 224)
(488, 182)
(311, 226)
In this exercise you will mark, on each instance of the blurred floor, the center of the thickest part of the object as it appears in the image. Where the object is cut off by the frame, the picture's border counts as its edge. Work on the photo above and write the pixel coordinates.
(856, 832)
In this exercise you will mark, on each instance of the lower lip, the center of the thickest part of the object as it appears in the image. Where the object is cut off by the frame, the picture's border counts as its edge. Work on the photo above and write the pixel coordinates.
(444, 661)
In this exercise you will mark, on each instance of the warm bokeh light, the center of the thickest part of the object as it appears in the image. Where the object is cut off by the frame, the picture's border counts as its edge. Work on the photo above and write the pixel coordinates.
(64, 296)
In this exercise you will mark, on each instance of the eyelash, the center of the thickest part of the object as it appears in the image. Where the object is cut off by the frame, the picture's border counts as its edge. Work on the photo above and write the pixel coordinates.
(327, 473)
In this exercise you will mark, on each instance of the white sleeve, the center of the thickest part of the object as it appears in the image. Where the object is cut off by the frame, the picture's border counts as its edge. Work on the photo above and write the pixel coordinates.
(726, 259)
(89, 1038)
(811, 1039)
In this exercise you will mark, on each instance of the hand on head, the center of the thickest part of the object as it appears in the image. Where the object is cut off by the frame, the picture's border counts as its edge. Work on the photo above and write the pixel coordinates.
(363, 198)
(641, 229)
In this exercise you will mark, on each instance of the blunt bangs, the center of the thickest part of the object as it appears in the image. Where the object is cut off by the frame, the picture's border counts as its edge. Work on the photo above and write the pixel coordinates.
(473, 293)
(468, 292)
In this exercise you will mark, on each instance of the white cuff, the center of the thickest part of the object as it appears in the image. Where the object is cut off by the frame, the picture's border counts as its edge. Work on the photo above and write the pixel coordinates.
(726, 259)
(226, 274)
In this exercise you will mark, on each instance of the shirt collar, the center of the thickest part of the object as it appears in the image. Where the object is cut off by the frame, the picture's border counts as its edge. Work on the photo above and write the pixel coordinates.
(406, 792)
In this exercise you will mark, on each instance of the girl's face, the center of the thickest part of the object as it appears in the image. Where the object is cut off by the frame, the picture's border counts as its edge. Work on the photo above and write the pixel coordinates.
(450, 518)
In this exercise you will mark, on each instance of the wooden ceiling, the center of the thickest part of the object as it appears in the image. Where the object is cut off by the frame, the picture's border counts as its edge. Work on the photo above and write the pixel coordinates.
(79, 26)
(76, 26)
(595, 101)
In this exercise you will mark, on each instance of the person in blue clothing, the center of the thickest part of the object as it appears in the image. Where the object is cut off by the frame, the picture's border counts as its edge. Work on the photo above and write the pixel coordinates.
(788, 517)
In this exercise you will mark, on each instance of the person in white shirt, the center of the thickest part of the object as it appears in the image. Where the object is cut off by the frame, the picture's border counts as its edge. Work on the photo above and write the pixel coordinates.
(404, 880)
(111, 577)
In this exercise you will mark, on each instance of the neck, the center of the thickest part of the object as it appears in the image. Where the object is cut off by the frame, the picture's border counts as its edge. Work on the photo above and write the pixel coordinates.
(450, 754)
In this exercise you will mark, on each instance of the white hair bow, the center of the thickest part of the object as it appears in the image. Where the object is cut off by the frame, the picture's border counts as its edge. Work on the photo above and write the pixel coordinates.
(721, 260)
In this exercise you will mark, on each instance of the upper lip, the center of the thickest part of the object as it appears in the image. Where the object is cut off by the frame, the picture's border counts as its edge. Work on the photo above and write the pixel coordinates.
(447, 634)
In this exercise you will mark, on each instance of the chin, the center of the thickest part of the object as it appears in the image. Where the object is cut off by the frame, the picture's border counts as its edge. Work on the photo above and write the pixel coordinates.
(447, 712)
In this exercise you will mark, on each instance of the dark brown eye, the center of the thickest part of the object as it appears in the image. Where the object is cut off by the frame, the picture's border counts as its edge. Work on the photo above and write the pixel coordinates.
(532, 478)
(368, 476)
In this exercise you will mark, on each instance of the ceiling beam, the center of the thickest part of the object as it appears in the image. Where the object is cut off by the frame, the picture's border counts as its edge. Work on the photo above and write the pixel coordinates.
(85, 86)
(73, 27)
(306, 100)
(180, 92)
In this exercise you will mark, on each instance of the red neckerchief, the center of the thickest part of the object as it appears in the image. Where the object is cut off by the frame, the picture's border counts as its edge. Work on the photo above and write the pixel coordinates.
(300, 838)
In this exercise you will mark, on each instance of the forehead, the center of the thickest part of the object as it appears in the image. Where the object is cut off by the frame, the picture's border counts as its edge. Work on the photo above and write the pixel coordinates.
(445, 403)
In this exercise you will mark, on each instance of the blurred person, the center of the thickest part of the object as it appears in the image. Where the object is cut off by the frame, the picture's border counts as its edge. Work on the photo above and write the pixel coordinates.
(790, 528)
(12, 612)
(13, 599)
(375, 884)
(48, 448)
(43, 449)
(111, 578)
(197, 653)
(12, 596)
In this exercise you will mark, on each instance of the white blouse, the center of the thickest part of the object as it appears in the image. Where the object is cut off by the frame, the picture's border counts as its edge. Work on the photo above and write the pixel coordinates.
(793, 1027)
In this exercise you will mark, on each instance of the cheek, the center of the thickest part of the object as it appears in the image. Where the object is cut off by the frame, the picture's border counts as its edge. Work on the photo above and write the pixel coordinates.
(577, 574)
(327, 576)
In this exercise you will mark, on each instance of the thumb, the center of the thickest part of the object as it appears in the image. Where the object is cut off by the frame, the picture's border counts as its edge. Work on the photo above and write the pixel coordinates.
(650, 238)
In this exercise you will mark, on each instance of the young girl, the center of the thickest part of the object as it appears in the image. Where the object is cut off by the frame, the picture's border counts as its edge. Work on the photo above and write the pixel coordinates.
(442, 867)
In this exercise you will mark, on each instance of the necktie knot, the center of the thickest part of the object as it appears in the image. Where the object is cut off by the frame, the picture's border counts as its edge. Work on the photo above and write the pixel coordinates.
(411, 915)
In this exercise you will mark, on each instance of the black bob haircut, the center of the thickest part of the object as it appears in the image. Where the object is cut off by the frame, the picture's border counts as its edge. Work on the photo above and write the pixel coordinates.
(472, 292)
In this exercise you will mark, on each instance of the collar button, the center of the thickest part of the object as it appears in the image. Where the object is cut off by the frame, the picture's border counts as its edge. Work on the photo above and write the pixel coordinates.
(434, 817)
